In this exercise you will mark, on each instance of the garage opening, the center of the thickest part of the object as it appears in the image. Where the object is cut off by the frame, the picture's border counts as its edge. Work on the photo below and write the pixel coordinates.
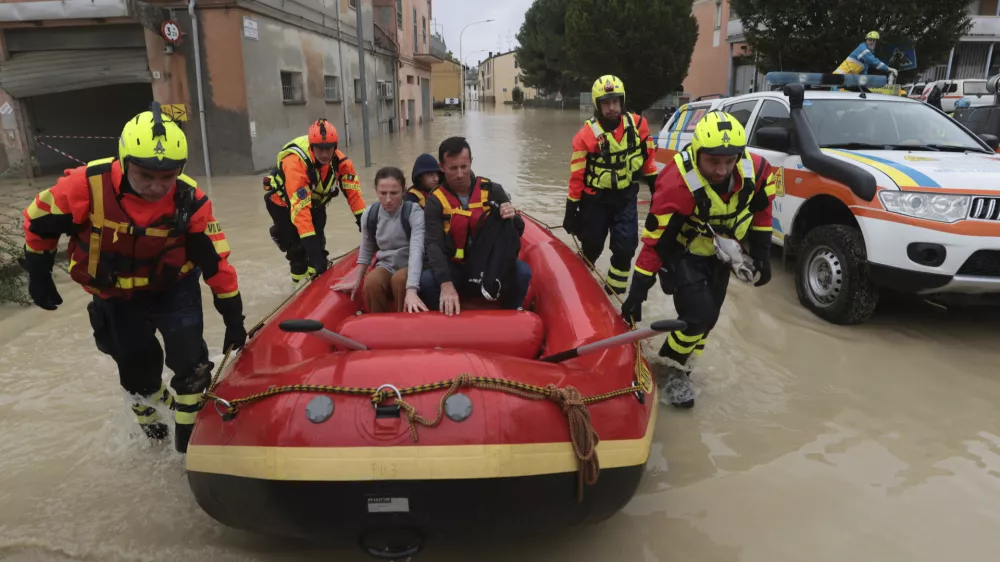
(82, 125)
(75, 95)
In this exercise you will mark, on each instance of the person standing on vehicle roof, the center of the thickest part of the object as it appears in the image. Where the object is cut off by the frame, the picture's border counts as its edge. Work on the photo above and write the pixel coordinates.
(713, 188)
(610, 152)
(310, 172)
(863, 57)
(141, 233)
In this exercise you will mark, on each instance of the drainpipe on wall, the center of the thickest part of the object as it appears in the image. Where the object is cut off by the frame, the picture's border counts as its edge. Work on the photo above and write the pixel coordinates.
(395, 89)
(729, 73)
(201, 97)
(343, 79)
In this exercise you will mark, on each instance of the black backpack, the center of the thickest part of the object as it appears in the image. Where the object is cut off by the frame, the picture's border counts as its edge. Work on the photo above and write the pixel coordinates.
(373, 219)
(493, 252)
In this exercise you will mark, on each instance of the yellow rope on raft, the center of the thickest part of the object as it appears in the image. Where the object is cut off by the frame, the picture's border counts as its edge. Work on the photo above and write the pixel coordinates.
(574, 406)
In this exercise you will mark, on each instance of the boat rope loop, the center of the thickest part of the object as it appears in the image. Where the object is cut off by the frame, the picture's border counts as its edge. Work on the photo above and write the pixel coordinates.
(583, 437)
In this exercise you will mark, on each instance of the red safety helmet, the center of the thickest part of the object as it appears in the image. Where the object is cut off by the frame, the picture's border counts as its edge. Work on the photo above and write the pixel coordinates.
(323, 134)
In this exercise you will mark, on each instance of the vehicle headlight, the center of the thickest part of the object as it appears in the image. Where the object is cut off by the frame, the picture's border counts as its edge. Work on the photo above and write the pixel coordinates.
(929, 206)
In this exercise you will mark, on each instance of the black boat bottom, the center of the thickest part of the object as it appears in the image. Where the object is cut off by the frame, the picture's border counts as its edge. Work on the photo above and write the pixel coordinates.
(395, 516)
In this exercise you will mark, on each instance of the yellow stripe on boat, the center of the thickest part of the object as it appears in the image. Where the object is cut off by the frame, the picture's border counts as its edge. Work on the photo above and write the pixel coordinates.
(411, 462)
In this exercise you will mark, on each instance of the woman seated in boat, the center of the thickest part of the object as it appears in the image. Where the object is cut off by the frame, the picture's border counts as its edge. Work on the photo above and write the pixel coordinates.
(393, 232)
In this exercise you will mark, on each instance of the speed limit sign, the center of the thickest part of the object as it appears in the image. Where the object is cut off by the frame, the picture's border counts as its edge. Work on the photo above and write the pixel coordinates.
(170, 31)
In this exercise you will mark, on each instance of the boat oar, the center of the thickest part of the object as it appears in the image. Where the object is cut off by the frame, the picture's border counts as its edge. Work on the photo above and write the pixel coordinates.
(655, 328)
(316, 328)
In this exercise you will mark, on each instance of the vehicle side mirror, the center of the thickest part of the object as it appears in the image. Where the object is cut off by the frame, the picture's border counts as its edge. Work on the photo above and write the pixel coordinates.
(774, 138)
(992, 140)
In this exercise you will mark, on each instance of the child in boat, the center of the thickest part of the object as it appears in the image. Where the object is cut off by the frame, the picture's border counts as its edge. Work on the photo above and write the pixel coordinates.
(426, 177)
(397, 244)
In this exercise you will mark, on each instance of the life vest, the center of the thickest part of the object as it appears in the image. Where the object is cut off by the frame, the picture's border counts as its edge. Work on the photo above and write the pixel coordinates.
(615, 162)
(373, 213)
(419, 195)
(116, 256)
(323, 189)
(460, 222)
(731, 218)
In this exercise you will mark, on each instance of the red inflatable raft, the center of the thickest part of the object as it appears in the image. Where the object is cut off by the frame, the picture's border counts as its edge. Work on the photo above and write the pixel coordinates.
(315, 442)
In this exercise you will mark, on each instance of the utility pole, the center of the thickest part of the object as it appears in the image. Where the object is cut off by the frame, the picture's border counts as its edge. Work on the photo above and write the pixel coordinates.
(461, 62)
(364, 87)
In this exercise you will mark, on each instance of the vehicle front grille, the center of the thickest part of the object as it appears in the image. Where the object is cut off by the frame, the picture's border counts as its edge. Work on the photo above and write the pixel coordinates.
(985, 208)
(982, 262)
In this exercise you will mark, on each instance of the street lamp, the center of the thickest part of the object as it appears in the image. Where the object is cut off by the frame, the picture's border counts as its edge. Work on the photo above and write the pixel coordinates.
(461, 62)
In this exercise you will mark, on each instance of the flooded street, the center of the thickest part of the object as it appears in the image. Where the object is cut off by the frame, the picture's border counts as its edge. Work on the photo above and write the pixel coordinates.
(809, 441)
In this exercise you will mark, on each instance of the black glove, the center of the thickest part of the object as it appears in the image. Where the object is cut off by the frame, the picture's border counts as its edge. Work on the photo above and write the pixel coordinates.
(651, 182)
(41, 287)
(760, 251)
(231, 310)
(571, 218)
(316, 253)
(357, 219)
(639, 290)
(236, 334)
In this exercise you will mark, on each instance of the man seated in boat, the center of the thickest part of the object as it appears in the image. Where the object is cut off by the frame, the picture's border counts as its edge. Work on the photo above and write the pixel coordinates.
(393, 231)
(452, 216)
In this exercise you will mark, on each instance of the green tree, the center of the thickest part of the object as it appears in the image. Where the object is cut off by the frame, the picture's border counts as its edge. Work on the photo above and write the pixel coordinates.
(541, 52)
(817, 35)
(517, 95)
(646, 43)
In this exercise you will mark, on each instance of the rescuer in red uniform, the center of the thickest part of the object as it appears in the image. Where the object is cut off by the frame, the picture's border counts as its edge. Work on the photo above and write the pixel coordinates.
(717, 187)
(141, 233)
(611, 152)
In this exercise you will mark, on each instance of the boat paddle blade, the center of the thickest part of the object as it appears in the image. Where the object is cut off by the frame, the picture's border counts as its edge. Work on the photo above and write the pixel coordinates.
(668, 325)
(628, 337)
(300, 326)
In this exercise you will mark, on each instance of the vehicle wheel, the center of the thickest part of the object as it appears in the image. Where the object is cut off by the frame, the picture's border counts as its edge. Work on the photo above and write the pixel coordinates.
(831, 275)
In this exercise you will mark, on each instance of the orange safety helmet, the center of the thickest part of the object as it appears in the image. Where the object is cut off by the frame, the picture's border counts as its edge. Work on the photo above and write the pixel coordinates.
(323, 134)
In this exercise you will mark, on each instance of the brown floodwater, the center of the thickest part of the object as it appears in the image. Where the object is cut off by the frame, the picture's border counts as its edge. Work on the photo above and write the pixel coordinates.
(809, 441)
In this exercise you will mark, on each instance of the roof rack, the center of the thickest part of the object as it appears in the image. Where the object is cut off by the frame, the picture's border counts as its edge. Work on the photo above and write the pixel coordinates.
(816, 80)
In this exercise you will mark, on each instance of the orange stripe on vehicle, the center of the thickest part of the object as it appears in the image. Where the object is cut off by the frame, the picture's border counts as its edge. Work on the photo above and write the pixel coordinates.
(965, 228)
(665, 155)
(813, 184)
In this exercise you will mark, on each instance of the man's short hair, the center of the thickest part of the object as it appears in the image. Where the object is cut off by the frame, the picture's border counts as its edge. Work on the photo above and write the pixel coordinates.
(453, 146)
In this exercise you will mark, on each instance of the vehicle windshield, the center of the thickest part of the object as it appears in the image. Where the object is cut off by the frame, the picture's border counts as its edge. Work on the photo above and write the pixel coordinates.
(868, 123)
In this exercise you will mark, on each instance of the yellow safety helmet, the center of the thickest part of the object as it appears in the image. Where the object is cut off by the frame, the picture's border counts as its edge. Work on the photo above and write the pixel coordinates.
(153, 140)
(605, 87)
(718, 133)
(872, 35)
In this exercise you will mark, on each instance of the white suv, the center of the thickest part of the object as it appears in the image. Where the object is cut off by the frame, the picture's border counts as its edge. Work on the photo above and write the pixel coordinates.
(874, 192)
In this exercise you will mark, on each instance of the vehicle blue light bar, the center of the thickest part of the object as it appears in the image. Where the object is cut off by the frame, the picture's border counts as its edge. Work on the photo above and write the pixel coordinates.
(820, 79)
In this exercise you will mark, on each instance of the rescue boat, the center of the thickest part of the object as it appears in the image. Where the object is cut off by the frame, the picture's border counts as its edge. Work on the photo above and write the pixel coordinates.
(333, 423)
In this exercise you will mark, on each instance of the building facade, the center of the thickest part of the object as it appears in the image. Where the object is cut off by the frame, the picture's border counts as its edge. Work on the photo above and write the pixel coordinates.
(498, 76)
(722, 63)
(407, 23)
(446, 80)
(267, 70)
